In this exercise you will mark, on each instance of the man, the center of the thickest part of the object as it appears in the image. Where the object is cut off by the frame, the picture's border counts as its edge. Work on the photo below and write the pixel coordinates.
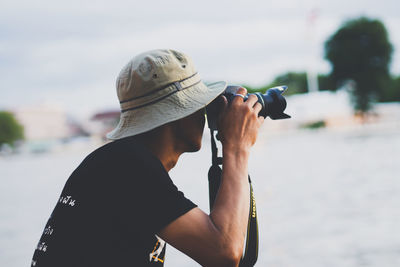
(119, 207)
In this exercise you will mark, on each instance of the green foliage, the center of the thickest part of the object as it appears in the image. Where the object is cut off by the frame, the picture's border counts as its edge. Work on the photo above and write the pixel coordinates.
(251, 89)
(391, 92)
(10, 129)
(296, 82)
(360, 51)
(325, 83)
(314, 125)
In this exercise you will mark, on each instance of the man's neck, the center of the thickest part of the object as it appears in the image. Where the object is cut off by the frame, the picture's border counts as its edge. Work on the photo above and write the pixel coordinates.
(162, 145)
(167, 156)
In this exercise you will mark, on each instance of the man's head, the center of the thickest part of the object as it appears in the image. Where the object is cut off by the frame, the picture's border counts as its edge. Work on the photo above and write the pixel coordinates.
(158, 87)
(183, 135)
(189, 131)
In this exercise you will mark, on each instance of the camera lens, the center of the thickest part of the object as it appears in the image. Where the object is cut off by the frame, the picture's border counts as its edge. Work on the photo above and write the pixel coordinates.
(272, 102)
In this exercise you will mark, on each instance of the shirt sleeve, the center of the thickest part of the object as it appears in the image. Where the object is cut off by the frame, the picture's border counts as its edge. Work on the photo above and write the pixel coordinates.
(151, 198)
(168, 203)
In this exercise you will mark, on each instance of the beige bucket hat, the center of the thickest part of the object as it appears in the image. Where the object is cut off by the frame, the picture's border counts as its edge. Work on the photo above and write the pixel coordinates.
(157, 87)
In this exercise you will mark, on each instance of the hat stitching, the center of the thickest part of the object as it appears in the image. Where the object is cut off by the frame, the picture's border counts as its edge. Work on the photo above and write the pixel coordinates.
(159, 94)
(178, 86)
(159, 99)
(155, 90)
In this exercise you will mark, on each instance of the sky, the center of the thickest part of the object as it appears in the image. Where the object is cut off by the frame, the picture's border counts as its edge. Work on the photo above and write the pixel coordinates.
(69, 53)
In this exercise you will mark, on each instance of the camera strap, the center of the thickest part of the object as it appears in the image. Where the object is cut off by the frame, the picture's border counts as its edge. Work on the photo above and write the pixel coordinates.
(250, 255)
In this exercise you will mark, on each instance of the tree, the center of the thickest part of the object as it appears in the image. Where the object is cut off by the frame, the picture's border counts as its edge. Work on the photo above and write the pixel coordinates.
(360, 52)
(392, 91)
(296, 82)
(325, 83)
(10, 129)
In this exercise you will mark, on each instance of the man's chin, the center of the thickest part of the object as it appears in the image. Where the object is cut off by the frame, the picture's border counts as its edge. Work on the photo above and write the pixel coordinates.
(194, 148)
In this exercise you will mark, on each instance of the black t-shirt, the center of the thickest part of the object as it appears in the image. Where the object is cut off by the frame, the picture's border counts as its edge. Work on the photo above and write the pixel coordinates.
(110, 210)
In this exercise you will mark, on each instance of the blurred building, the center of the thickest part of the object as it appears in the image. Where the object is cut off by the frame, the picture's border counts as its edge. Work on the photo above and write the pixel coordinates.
(43, 122)
(102, 122)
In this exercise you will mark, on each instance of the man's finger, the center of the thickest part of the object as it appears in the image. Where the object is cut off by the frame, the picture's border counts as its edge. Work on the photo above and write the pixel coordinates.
(224, 102)
(252, 100)
(257, 107)
(240, 92)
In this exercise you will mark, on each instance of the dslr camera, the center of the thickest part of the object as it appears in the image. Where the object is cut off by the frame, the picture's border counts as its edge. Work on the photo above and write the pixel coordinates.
(272, 102)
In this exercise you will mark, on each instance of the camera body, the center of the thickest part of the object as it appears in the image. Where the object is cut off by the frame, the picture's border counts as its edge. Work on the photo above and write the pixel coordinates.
(272, 102)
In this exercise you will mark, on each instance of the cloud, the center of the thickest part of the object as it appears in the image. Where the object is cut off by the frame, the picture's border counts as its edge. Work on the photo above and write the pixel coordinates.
(72, 50)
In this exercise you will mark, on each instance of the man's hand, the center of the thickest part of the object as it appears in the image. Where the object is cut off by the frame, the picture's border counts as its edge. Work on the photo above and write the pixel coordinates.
(218, 239)
(239, 123)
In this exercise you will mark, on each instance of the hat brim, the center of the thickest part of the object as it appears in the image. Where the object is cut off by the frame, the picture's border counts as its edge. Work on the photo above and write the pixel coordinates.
(174, 107)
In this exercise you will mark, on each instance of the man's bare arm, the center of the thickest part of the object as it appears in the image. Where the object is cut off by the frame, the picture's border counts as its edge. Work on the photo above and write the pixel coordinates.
(218, 239)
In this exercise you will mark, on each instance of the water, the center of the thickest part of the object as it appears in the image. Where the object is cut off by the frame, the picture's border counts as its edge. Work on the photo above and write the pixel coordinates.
(324, 198)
